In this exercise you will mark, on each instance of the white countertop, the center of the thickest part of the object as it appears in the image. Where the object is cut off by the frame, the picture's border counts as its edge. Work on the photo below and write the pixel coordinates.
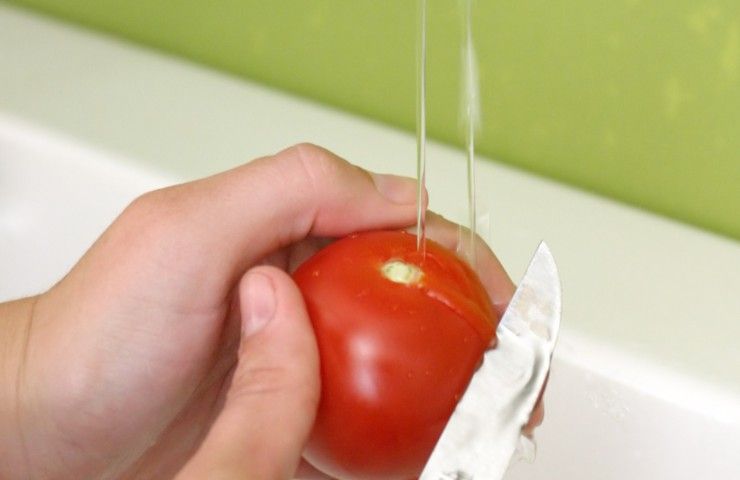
(634, 283)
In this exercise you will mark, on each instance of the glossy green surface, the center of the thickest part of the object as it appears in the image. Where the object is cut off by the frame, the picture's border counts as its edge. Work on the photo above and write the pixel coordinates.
(636, 99)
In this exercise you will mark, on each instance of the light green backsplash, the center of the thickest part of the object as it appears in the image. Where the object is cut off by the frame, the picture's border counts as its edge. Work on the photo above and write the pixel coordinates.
(636, 99)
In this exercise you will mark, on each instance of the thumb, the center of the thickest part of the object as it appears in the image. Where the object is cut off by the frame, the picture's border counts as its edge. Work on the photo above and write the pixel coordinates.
(271, 402)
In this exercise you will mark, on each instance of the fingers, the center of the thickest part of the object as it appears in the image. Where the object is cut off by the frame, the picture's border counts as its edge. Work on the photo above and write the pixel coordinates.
(492, 274)
(538, 413)
(271, 402)
(222, 224)
(538, 416)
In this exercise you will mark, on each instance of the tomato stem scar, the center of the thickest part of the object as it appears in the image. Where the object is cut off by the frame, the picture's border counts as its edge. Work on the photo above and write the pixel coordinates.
(401, 272)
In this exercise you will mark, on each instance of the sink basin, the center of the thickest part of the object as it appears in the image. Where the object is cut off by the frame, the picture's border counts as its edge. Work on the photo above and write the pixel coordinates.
(645, 382)
(56, 198)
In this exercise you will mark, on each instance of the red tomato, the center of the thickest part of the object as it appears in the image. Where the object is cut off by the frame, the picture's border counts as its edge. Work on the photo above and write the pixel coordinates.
(399, 338)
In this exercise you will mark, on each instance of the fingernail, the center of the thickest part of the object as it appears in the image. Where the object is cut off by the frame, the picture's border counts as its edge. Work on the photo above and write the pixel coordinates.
(401, 190)
(258, 304)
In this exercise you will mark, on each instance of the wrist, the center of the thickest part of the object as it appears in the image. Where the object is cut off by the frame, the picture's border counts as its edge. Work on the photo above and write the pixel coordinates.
(15, 324)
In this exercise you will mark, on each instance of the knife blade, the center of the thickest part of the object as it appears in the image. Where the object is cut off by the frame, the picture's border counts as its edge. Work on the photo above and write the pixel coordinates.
(481, 435)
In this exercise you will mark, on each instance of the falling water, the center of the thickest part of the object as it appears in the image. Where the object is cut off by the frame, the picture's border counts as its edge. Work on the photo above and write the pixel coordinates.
(470, 115)
(421, 126)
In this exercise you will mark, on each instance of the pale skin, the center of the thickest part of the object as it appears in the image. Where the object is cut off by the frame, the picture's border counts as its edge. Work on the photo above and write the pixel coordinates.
(178, 345)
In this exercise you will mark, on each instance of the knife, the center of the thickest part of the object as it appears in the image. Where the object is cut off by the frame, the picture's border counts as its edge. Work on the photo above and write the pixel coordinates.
(481, 435)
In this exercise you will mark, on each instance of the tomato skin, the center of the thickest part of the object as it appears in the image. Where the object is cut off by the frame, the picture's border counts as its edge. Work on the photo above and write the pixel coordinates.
(395, 358)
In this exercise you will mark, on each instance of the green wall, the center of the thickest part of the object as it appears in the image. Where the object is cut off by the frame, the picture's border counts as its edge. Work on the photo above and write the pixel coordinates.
(635, 99)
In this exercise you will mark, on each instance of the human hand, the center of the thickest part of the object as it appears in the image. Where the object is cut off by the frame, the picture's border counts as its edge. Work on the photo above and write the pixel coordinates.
(155, 355)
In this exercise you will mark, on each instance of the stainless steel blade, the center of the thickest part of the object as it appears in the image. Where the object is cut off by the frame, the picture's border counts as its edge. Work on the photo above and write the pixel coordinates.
(481, 435)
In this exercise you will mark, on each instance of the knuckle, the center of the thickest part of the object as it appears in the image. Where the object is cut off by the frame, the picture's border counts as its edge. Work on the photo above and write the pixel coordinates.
(153, 208)
(306, 149)
(145, 204)
(316, 162)
(273, 381)
(150, 223)
(260, 380)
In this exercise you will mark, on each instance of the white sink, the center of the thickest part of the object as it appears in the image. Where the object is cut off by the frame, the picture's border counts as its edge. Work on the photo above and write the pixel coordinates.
(646, 377)
(55, 200)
